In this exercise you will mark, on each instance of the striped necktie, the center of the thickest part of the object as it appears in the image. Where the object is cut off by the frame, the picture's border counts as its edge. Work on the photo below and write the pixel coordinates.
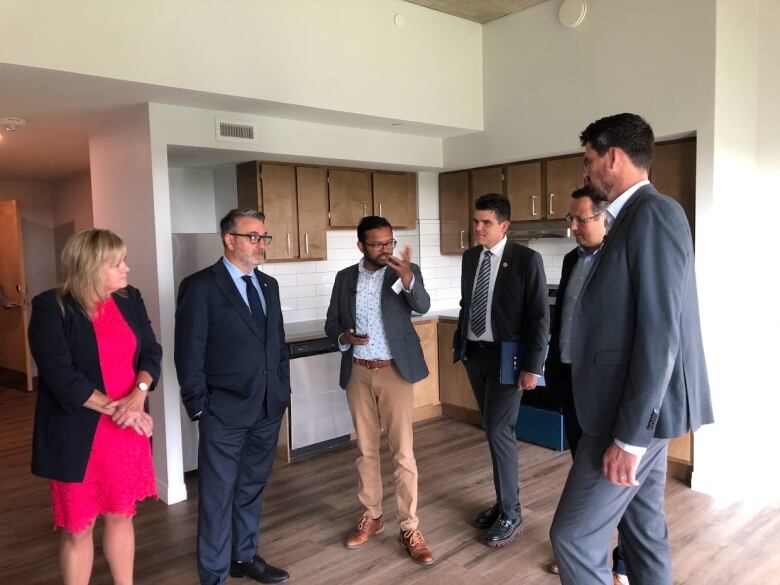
(480, 298)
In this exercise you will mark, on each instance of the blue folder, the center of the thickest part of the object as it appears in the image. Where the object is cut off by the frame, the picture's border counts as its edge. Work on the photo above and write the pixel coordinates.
(512, 358)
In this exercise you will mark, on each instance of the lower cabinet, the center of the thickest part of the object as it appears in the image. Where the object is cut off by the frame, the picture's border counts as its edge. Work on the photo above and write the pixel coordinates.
(457, 398)
(426, 391)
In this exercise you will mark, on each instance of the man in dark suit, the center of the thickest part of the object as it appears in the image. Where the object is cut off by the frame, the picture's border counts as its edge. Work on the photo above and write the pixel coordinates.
(370, 318)
(586, 218)
(233, 369)
(503, 298)
(638, 371)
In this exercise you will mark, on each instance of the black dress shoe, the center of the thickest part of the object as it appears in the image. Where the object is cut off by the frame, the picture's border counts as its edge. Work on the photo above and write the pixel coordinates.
(503, 531)
(258, 570)
(486, 518)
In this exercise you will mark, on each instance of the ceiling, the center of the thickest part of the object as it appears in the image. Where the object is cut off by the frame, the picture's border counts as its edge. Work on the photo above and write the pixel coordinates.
(481, 11)
(62, 109)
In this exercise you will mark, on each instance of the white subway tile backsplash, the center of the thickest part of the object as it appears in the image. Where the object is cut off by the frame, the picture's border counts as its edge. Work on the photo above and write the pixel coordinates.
(324, 289)
(286, 279)
(296, 292)
(317, 278)
(313, 302)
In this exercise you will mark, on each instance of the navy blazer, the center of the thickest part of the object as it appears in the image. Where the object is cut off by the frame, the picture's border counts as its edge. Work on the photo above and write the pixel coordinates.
(223, 364)
(64, 346)
(519, 308)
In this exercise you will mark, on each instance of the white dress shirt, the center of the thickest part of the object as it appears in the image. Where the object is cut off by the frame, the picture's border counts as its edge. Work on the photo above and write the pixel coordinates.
(495, 262)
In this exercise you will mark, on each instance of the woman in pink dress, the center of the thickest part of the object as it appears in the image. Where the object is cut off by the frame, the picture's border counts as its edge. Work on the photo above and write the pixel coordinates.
(97, 358)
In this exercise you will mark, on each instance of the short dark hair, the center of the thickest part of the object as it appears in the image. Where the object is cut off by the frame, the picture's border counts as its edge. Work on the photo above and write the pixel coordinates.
(371, 222)
(628, 132)
(596, 204)
(227, 224)
(497, 203)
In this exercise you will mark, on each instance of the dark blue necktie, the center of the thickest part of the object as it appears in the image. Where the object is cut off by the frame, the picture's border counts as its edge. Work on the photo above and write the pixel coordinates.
(480, 299)
(255, 305)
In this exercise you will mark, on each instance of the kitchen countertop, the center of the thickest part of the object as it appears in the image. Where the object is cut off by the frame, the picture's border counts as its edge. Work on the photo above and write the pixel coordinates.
(315, 329)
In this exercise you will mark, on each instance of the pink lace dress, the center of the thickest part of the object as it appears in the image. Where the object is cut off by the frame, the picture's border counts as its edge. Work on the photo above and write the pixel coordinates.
(120, 470)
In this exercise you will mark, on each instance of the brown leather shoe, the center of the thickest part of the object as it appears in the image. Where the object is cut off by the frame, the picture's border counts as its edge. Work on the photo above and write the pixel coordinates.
(553, 568)
(414, 543)
(366, 528)
(618, 579)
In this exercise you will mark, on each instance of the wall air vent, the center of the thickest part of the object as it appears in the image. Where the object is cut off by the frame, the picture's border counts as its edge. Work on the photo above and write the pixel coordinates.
(232, 131)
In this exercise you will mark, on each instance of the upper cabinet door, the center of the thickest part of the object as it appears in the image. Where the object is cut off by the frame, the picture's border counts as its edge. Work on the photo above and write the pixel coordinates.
(350, 197)
(391, 198)
(454, 216)
(674, 174)
(281, 210)
(312, 212)
(524, 190)
(486, 181)
(564, 175)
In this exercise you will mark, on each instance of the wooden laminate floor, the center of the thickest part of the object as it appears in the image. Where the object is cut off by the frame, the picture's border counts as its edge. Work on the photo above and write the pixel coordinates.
(311, 505)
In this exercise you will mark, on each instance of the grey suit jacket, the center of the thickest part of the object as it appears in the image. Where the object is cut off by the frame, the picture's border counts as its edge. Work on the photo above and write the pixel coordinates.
(638, 368)
(402, 339)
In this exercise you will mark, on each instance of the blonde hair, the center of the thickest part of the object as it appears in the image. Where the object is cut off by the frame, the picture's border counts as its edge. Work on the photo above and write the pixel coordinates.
(83, 256)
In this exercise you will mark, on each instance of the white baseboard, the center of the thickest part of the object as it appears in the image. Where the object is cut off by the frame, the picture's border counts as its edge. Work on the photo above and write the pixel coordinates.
(171, 494)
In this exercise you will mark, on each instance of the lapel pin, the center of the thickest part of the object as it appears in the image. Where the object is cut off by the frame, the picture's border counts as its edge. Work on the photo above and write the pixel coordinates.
(505, 265)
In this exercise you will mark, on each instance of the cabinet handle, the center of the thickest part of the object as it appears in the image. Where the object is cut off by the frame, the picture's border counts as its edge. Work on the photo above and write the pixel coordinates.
(461, 239)
(533, 204)
(289, 244)
(306, 243)
(380, 210)
(551, 212)
(364, 209)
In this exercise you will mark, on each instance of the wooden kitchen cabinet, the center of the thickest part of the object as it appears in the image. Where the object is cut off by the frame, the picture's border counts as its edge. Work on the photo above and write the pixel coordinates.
(391, 198)
(271, 189)
(564, 175)
(454, 212)
(524, 190)
(426, 391)
(349, 194)
(312, 190)
(457, 398)
(674, 174)
(483, 181)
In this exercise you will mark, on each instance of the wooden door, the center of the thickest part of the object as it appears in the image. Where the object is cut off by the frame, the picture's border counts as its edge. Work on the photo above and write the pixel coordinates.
(484, 181)
(674, 174)
(564, 175)
(349, 194)
(391, 198)
(524, 190)
(454, 212)
(14, 349)
(312, 185)
(281, 210)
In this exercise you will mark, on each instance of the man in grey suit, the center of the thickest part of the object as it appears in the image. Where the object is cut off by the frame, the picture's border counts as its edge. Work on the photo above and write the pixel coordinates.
(370, 318)
(638, 371)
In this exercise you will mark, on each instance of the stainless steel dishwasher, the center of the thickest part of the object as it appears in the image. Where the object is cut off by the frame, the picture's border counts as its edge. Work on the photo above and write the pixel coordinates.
(319, 414)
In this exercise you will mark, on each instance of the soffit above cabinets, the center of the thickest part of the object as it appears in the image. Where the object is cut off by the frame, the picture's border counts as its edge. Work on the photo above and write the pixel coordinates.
(481, 11)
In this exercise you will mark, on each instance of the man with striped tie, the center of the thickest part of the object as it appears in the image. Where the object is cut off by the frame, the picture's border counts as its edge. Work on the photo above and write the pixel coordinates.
(503, 298)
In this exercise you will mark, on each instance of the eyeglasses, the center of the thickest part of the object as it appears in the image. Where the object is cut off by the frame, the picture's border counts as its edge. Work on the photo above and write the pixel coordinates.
(379, 245)
(255, 238)
(572, 219)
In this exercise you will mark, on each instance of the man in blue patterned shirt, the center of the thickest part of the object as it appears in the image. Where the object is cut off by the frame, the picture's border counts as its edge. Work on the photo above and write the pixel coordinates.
(370, 318)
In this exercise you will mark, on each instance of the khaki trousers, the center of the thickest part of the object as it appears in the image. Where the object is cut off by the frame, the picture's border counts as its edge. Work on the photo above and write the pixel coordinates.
(381, 398)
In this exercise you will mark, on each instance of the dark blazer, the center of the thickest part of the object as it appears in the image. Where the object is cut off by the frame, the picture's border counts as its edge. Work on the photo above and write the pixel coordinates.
(638, 368)
(519, 309)
(64, 347)
(402, 339)
(553, 362)
(222, 363)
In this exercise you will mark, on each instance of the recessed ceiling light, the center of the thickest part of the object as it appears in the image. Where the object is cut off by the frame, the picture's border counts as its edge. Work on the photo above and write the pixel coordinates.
(11, 123)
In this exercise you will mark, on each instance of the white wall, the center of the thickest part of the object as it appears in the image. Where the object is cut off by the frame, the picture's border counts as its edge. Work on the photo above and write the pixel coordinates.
(193, 207)
(121, 159)
(71, 210)
(340, 55)
(544, 83)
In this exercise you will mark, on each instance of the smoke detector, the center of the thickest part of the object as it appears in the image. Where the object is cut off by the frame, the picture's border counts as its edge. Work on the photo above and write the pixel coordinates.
(11, 123)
